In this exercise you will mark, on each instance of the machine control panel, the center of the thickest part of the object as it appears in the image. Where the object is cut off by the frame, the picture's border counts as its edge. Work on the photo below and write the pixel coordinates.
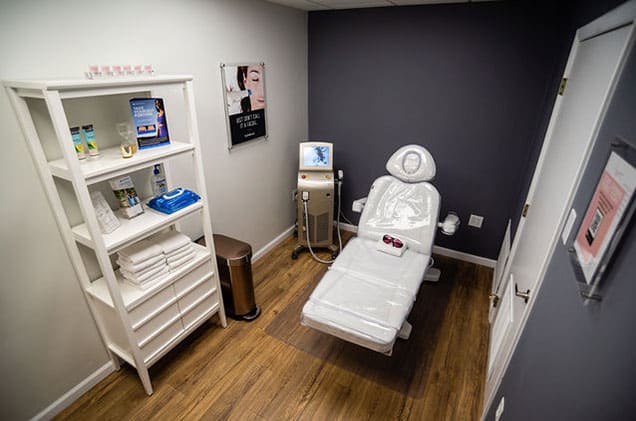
(317, 175)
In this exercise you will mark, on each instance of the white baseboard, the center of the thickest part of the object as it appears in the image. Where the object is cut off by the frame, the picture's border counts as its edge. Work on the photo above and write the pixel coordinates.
(269, 246)
(471, 258)
(466, 257)
(348, 227)
(72, 395)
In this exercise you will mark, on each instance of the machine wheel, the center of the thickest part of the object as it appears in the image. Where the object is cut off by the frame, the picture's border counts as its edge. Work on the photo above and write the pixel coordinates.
(294, 255)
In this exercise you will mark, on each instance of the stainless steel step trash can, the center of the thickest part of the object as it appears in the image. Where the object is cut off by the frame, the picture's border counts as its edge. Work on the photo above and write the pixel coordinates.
(234, 259)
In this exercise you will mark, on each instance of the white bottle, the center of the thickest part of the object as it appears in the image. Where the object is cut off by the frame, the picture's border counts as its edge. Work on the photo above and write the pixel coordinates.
(159, 185)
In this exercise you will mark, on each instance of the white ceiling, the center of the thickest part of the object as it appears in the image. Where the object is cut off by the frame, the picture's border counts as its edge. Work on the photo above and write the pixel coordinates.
(357, 4)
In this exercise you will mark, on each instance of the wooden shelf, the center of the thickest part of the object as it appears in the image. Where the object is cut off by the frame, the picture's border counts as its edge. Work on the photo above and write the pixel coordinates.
(134, 229)
(110, 163)
(133, 295)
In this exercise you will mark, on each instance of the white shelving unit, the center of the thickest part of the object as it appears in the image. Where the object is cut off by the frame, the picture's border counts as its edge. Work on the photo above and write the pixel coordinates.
(138, 325)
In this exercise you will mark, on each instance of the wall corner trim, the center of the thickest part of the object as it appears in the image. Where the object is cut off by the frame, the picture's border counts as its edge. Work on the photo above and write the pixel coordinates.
(269, 246)
(459, 255)
(73, 394)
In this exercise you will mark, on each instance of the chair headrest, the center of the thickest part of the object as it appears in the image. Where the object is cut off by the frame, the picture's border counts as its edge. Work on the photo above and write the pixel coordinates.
(411, 164)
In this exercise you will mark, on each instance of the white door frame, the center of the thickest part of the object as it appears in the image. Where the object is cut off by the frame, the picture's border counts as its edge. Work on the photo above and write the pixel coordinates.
(498, 272)
(621, 16)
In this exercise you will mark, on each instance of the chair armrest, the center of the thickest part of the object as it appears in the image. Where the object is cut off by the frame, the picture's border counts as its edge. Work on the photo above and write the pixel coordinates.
(358, 205)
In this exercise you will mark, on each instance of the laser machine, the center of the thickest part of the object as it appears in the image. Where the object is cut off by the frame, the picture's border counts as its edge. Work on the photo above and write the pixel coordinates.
(315, 199)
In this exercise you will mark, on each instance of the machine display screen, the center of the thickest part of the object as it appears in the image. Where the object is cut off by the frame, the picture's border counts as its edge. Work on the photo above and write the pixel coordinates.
(316, 156)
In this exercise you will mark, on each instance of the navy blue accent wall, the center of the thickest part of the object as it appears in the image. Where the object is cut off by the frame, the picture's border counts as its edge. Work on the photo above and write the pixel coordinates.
(574, 14)
(576, 362)
(474, 83)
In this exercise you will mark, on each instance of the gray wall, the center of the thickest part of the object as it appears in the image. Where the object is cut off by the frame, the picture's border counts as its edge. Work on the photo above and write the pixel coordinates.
(474, 83)
(576, 362)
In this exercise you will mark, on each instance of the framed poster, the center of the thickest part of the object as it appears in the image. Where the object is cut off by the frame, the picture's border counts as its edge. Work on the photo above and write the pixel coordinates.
(607, 215)
(244, 98)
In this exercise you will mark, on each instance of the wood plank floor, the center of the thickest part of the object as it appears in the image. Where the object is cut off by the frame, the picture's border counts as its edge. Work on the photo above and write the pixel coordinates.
(243, 373)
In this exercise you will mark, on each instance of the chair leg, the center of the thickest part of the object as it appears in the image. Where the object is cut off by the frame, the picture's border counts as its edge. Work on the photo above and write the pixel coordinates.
(432, 275)
(405, 330)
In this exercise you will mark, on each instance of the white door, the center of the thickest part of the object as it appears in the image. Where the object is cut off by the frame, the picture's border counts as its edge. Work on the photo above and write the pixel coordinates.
(592, 70)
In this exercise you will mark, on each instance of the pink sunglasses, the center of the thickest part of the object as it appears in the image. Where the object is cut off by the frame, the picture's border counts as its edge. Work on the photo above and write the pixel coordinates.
(393, 241)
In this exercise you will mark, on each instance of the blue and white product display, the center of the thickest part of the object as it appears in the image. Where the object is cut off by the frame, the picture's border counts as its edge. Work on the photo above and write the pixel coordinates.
(125, 192)
(159, 185)
(149, 120)
(174, 200)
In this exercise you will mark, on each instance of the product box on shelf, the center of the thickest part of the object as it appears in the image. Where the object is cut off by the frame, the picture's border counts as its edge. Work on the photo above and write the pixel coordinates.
(149, 120)
(130, 205)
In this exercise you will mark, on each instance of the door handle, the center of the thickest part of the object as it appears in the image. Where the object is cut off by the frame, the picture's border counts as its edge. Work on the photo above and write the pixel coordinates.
(525, 295)
(495, 300)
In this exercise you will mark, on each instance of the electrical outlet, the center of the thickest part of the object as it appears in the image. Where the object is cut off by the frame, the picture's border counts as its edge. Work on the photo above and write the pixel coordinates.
(475, 221)
(500, 409)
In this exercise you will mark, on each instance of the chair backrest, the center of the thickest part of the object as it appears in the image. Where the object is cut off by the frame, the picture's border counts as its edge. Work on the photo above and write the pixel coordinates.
(404, 203)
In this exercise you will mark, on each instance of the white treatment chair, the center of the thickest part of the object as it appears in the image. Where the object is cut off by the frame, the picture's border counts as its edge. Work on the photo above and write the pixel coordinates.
(367, 294)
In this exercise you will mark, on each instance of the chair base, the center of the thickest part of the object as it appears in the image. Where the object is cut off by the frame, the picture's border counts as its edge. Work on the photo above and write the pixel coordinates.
(432, 275)
(298, 248)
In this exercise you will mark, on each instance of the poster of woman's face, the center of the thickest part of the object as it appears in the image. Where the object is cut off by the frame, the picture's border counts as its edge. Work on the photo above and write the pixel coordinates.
(245, 88)
(244, 93)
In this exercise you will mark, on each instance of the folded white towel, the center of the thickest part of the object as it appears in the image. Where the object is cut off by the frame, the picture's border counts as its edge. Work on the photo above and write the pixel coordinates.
(139, 252)
(147, 276)
(180, 250)
(178, 263)
(142, 272)
(132, 268)
(171, 241)
(175, 257)
(144, 285)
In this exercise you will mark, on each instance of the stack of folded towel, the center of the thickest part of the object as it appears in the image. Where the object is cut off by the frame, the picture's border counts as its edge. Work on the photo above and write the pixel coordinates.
(147, 260)
(176, 247)
(142, 262)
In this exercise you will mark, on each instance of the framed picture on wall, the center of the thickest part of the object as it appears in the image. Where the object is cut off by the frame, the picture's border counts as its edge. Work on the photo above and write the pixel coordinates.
(244, 99)
(607, 215)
